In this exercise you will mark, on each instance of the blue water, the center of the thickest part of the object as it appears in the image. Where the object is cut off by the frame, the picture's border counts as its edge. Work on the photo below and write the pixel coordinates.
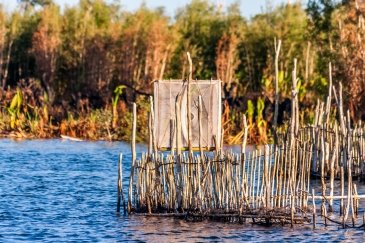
(54, 190)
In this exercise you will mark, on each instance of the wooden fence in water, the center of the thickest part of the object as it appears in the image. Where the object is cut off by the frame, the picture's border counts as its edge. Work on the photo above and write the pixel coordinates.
(264, 186)
(272, 185)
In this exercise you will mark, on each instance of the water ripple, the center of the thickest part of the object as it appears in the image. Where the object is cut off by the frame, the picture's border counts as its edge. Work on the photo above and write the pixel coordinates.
(54, 190)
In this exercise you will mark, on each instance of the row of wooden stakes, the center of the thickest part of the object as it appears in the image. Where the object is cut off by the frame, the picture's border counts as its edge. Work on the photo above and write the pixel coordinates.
(267, 185)
(272, 184)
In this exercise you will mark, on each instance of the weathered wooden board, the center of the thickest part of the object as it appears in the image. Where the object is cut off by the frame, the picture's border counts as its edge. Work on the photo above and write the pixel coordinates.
(165, 92)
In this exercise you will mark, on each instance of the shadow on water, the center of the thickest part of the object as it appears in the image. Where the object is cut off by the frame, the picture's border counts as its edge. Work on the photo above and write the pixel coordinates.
(54, 190)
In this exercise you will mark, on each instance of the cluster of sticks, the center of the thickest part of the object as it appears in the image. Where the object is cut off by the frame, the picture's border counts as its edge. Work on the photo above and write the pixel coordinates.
(335, 150)
(266, 186)
(257, 183)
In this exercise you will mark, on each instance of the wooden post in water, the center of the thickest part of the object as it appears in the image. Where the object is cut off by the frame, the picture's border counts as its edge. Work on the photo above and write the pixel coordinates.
(292, 210)
(133, 148)
(340, 110)
(349, 172)
(244, 178)
(120, 183)
(188, 110)
(295, 115)
(276, 111)
(178, 123)
(154, 144)
(323, 183)
(332, 178)
(314, 209)
(342, 190)
(244, 141)
(267, 179)
(189, 103)
(150, 143)
(200, 114)
(356, 200)
(172, 136)
(201, 159)
(328, 107)
(178, 151)
(325, 215)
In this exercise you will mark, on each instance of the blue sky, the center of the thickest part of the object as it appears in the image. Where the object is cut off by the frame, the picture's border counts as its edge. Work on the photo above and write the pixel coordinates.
(248, 7)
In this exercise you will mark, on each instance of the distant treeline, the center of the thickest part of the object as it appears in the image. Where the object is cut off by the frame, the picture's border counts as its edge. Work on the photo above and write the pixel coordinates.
(96, 55)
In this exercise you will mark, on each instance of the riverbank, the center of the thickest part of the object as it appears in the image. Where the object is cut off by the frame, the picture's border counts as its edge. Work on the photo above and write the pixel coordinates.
(90, 127)
(28, 115)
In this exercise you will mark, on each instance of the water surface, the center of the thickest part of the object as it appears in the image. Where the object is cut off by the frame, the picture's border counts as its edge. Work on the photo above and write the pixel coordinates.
(54, 190)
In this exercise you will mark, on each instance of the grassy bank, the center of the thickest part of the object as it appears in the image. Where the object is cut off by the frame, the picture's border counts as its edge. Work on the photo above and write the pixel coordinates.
(27, 114)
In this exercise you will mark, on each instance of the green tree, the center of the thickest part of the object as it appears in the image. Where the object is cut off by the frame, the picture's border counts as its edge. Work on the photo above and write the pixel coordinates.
(286, 22)
(3, 32)
(200, 25)
(88, 55)
(145, 47)
(322, 29)
(45, 45)
(227, 59)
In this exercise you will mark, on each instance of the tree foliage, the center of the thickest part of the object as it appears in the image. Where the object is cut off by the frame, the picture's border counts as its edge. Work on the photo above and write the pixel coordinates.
(80, 55)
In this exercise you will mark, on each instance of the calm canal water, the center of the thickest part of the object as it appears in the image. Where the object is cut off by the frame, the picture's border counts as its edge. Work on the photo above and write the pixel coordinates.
(54, 190)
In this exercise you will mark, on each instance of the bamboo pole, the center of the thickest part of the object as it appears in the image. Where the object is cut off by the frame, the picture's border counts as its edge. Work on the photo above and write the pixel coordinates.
(332, 178)
(356, 199)
(295, 115)
(349, 172)
(245, 133)
(323, 183)
(120, 184)
(133, 148)
(260, 180)
(314, 209)
(276, 111)
(178, 124)
(172, 136)
(267, 179)
(328, 107)
(340, 109)
(200, 116)
(150, 143)
(257, 154)
(154, 143)
(342, 190)
(189, 103)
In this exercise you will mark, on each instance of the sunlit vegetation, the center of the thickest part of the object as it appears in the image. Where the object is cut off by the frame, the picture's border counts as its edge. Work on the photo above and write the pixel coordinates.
(76, 71)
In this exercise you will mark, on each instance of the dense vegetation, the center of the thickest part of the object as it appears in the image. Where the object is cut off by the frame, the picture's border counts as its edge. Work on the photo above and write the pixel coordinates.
(76, 71)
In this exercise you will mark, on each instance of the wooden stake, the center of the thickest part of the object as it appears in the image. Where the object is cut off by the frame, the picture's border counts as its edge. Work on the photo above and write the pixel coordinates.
(276, 111)
(200, 114)
(172, 136)
(150, 143)
(133, 148)
(342, 190)
(267, 179)
(314, 210)
(244, 141)
(154, 143)
(328, 107)
(120, 184)
(189, 103)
